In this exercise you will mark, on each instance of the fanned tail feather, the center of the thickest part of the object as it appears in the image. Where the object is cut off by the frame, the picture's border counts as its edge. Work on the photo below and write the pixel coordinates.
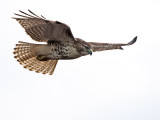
(25, 56)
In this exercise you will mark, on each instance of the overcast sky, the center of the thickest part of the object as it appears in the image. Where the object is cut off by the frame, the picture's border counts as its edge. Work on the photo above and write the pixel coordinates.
(109, 85)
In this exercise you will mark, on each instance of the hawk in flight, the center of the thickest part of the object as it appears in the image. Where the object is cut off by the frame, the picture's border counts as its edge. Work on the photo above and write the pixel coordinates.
(60, 44)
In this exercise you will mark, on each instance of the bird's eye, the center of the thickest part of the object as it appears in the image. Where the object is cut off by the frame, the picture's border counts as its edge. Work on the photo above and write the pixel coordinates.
(86, 47)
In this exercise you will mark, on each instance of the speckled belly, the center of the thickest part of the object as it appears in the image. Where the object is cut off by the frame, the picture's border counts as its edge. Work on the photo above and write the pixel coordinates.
(63, 52)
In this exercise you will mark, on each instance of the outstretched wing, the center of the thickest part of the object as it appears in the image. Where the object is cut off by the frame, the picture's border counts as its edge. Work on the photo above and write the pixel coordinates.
(109, 46)
(42, 30)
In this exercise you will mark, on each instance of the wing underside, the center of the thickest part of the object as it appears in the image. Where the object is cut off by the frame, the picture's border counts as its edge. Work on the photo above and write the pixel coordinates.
(109, 46)
(42, 30)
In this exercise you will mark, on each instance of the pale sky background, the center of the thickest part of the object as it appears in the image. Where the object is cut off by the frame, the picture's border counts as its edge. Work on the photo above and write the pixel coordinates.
(109, 85)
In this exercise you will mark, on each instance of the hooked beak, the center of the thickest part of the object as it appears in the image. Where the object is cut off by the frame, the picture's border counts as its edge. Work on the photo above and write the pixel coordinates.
(90, 51)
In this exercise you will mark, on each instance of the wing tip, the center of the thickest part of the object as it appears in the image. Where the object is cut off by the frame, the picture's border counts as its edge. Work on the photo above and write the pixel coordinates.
(133, 41)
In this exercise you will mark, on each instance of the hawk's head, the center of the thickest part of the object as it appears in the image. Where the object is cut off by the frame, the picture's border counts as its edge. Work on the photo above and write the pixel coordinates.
(83, 47)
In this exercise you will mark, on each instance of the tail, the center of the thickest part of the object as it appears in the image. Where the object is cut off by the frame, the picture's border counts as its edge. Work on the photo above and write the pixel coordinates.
(25, 55)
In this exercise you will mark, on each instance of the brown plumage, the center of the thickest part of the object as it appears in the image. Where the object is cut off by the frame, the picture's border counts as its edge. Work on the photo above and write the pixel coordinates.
(27, 58)
(61, 44)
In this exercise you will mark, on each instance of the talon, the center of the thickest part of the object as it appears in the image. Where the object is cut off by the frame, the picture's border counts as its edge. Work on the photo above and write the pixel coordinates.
(41, 58)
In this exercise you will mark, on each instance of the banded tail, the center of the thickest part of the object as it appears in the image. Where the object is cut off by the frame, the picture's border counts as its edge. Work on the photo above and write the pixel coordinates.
(26, 56)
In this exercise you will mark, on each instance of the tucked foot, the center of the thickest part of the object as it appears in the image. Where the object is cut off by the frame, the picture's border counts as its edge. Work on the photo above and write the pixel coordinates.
(41, 58)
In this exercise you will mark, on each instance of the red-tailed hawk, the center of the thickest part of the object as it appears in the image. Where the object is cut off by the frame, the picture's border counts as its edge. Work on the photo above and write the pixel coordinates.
(61, 44)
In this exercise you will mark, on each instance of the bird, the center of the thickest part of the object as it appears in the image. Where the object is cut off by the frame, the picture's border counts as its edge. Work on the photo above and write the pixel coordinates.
(59, 43)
